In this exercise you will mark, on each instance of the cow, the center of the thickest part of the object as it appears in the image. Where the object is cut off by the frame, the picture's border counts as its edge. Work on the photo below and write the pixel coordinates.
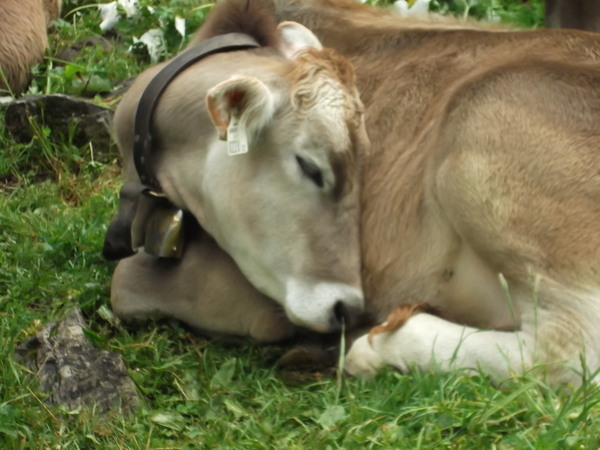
(23, 39)
(479, 194)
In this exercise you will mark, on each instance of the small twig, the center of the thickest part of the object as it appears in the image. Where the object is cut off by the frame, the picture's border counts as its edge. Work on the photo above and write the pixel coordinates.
(42, 403)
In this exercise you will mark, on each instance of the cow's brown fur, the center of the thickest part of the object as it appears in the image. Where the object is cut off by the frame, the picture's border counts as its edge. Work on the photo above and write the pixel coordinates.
(23, 38)
(409, 78)
(484, 160)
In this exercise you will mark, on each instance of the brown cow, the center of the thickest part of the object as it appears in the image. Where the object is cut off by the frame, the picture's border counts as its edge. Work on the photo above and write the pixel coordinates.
(23, 39)
(484, 161)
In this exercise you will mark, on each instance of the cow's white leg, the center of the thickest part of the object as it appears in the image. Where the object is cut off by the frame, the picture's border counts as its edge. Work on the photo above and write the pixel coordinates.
(428, 342)
(557, 335)
(363, 360)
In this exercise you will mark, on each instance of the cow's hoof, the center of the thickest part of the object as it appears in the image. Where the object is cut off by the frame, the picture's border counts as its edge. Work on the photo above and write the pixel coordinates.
(362, 360)
(307, 364)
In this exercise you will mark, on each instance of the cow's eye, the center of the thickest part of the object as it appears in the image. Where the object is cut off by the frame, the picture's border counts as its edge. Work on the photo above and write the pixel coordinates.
(311, 170)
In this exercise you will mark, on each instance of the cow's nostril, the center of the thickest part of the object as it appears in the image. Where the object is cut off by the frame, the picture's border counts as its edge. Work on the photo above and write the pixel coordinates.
(338, 312)
(344, 314)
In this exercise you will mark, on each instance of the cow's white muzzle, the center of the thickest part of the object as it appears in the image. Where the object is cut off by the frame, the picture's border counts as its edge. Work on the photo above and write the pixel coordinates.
(322, 306)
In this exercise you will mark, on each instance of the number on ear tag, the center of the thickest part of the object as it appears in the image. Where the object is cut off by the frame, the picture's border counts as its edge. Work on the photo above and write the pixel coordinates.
(237, 141)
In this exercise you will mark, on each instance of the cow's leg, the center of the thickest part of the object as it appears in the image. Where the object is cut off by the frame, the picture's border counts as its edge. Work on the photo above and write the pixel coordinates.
(429, 342)
(554, 337)
(564, 14)
(551, 18)
(205, 289)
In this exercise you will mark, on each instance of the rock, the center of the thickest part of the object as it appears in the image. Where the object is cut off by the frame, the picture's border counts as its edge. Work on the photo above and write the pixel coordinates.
(119, 88)
(60, 113)
(106, 42)
(75, 373)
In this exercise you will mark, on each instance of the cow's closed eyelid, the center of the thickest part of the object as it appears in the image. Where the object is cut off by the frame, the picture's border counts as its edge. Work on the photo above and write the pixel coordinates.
(311, 171)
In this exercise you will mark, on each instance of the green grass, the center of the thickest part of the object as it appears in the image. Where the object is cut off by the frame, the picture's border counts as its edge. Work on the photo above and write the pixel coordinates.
(55, 202)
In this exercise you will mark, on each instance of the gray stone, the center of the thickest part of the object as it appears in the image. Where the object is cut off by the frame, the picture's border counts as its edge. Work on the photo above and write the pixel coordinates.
(61, 113)
(69, 54)
(73, 373)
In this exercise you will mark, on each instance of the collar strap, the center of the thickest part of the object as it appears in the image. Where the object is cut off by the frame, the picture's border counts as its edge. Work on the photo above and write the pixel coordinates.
(142, 137)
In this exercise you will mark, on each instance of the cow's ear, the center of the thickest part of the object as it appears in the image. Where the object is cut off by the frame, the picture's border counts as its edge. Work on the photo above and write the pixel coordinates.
(246, 100)
(294, 37)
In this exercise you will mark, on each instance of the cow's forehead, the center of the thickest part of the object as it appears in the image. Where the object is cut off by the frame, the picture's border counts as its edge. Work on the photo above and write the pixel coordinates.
(319, 97)
(318, 89)
(326, 129)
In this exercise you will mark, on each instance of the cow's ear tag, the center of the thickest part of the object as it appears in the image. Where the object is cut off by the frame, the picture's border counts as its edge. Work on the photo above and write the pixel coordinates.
(237, 140)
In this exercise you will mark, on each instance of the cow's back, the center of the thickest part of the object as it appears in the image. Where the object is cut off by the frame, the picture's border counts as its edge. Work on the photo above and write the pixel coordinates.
(403, 64)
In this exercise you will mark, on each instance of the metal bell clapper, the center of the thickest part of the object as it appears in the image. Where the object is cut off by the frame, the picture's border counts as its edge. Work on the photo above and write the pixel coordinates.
(163, 237)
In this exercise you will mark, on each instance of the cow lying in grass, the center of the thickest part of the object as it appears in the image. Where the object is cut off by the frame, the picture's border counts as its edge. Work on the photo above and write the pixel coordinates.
(23, 39)
(479, 195)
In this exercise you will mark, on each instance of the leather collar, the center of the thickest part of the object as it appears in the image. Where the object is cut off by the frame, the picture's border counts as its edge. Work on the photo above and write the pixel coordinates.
(142, 140)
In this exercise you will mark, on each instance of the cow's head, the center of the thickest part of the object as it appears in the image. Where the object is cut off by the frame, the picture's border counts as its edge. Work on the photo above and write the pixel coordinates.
(287, 211)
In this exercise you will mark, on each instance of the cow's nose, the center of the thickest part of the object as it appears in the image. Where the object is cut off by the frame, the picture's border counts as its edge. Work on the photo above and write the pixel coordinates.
(323, 307)
(344, 314)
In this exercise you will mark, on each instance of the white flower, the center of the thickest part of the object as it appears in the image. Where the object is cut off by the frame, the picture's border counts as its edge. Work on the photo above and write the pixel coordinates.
(418, 8)
(129, 6)
(154, 42)
(109, 12)
(180, 25)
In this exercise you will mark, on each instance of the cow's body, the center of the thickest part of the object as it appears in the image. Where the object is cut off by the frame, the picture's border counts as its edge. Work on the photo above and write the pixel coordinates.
(485, 160)
(23, 38)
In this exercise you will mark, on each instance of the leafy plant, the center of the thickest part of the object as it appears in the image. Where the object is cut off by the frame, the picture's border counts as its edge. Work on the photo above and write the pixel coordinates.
(526, 13)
